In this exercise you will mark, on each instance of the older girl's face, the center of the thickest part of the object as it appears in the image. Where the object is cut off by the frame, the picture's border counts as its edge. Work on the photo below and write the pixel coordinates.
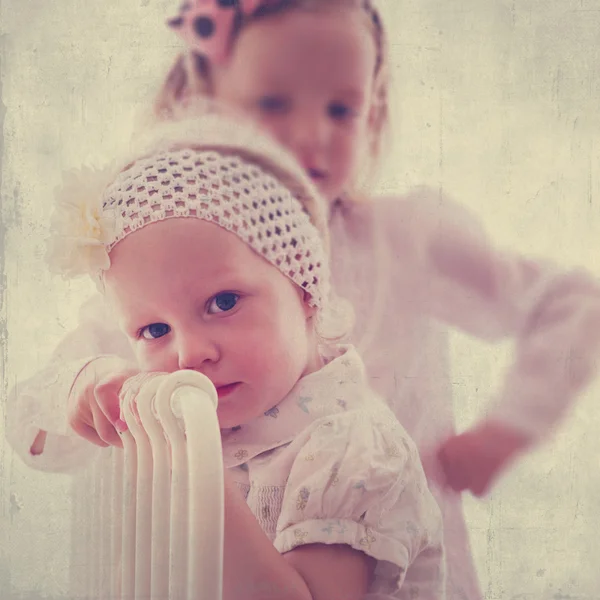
(308, 78)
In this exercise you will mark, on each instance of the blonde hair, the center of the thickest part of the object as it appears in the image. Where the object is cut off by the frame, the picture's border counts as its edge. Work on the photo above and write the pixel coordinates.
(190, 76)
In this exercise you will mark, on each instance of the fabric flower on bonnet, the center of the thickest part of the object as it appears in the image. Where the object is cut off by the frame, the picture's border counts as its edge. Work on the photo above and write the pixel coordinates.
(80, 227)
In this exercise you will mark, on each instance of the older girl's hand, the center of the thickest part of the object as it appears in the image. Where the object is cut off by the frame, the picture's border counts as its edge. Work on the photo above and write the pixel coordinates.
(474, 459)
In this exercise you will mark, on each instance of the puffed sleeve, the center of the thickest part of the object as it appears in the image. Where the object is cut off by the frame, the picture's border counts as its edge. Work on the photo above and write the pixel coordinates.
(357, 480)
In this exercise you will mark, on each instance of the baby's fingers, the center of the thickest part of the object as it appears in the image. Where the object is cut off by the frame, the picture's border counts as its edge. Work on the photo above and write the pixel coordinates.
(104, 428)
(87, 432)
(81, 422)
(107, 394)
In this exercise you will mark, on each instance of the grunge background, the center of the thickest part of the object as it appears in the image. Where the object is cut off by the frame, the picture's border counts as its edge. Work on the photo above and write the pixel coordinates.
(495, 100)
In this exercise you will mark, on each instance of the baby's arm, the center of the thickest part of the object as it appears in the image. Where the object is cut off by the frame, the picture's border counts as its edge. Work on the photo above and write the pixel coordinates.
(553, 315)
(253, 569)
(38, 424)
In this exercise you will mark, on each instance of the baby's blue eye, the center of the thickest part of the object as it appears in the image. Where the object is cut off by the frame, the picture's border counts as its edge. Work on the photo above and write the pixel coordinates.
(223, 302)
(272, 104)
(155, 331)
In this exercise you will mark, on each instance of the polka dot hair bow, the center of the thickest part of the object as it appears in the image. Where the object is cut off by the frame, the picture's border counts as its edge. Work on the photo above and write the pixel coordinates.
(206, 26)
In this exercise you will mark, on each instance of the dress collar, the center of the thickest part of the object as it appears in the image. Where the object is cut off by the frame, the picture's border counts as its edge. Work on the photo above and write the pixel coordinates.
(338, 386)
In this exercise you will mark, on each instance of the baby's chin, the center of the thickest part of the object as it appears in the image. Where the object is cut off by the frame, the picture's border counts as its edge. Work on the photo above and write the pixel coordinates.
(231, 418)
(229, 425)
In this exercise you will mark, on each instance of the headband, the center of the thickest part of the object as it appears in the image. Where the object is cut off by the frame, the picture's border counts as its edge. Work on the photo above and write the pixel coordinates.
(210, 168)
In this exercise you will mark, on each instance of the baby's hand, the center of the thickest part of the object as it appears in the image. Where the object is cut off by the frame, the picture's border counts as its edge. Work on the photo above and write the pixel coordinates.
(94, 409)
(475, 459)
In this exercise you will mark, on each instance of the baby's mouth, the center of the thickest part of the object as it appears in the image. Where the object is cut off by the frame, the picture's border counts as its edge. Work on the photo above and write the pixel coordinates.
(226, 390)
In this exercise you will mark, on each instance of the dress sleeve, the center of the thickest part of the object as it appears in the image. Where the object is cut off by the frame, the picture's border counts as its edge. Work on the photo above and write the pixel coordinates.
(358, 481)
(458, 277)
(40, 402)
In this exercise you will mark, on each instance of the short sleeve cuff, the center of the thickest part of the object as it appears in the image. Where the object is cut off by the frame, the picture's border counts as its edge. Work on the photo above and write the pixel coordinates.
(342, 531)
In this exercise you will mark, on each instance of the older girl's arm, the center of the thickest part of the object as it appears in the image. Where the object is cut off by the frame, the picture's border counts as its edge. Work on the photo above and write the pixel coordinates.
(460, 278)
(37, 422)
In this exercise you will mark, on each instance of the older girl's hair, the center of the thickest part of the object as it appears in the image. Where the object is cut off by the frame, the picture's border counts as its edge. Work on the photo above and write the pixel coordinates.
(190, 76)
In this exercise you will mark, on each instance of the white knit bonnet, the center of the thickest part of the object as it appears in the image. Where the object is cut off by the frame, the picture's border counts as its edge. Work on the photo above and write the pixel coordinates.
(210, 167)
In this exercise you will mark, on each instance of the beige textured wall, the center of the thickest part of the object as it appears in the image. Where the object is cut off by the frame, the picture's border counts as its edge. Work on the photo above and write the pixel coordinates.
(496, 101)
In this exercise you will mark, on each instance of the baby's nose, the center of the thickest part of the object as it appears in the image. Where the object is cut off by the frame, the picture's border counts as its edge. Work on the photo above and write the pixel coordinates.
(195, 351)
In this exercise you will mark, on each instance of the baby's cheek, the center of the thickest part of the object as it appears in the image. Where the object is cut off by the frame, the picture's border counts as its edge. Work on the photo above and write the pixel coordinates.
(266, 345)
(257, 355)
(151, 359)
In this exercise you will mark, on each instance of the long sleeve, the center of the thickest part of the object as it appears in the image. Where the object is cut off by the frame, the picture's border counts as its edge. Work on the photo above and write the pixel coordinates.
(457, 277)
(40, 402)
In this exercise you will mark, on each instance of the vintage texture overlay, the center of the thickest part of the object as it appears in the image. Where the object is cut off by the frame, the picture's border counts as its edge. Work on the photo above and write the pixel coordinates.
(495, 101)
